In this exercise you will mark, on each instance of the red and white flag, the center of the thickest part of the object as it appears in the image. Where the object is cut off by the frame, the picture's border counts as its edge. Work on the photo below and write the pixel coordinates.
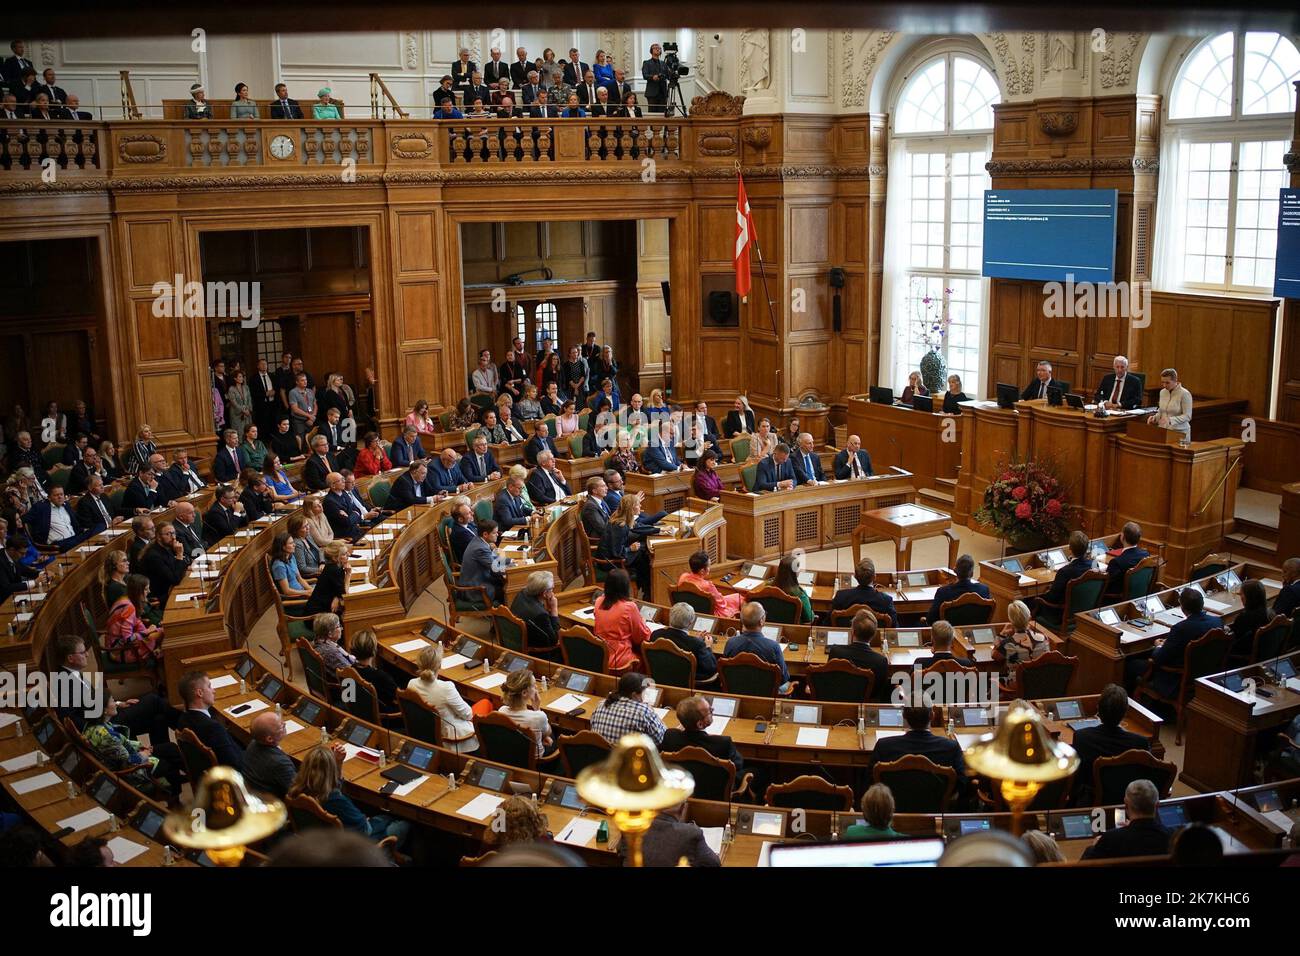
(744, 236)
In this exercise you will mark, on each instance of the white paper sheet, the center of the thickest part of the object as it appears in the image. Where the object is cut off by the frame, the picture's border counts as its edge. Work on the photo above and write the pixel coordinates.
(882, 734)
(567, 702)
(362, 588)
(292, 727)
(225, 680)
(713, 837)
(249, 707)
(454, 660)
(718, 726)
(494, 679)
(407, 789)
(813, 736)
(38, 782)
(748, 584)
(124, 850)
(84, 820)
(21, 762)
(579, 832)
(481, 807)
(1273, 583)
(1279, 820)
(7, 719)
(1217, 606)
(585, 614)
(351, 750)
(418, 644)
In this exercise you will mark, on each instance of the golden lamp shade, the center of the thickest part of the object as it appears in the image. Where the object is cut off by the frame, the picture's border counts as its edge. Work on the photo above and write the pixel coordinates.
(224, 814)
(634, 778)
(1021, 749)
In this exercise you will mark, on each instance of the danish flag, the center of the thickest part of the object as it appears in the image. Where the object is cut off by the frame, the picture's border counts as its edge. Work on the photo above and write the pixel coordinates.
(744, 236)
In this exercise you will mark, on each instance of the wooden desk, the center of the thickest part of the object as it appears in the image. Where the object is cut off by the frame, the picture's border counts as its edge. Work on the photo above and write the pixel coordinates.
(1227, 730)
(814, 517)
(1103, 648)
(903, 524)
(928, 444)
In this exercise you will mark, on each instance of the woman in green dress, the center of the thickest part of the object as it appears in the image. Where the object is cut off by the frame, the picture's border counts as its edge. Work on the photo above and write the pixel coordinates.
(324, 108)
(787, 579)
(253, 448)
(878, 809)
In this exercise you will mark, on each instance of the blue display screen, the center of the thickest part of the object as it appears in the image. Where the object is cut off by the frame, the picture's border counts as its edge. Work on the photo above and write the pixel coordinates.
(1050, 234)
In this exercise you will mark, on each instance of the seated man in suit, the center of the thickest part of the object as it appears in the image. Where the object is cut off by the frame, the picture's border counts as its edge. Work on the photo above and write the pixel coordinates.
(862, 653)
(282, 107)
(595, 509)
(445, 474)
(1130, 538)
(752, 640)
(230, 460)
(462, 530)
(775, 472)
(142, 535)
(412, 488)
(181, 479)
(1169, 651)
(79, 477)
(94, 513)
(661, 456)
(695, 714)
(407, 448)
(853, 461)
(479, 465)
(866, 593)
(546, 485)
(1119, 389)
(921, 741)
(507, 424)
(188, 531)
(199, 699)
(75, 450)
(478, 564)
(1288, 599)
(1108, 739)
(739, 419)
(708, 425)
(541, 441)
(681, 619)
(1080, 563)
(165, 563)
(1143, 835)
(510, 508)
(342, 448)
(225, 517)
(255, 498)
(341, 512)
(319, 466)
(941, 638)
(52, 522)
(1042, 382)
(965, 569)
(807, 464)
(537, 606)
(670, 838)
(14, 575)
(141, 493)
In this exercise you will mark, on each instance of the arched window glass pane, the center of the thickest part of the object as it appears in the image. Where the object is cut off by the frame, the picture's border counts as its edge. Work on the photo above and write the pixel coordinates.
(1271, 64)
(921, 107)
(1205, 87)
(974, 91)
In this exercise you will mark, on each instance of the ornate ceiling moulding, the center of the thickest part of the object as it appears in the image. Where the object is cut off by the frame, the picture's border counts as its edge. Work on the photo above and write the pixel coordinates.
(1078, 164)
(412, 146)
(141, 148)
(717, 103)
(30, 186)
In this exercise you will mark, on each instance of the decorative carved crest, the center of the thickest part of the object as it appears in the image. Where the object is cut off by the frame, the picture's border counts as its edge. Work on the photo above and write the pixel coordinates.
(141, 148)
(412, 146)
(717, 142)
(717, 103)
(1058, 123)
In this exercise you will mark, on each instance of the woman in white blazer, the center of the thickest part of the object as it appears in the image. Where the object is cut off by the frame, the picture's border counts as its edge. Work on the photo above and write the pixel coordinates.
(442, 696)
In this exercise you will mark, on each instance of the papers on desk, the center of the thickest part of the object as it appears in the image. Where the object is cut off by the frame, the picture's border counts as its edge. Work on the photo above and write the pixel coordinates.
(38, 782)
(7, 719)
(719, 725)
(567, 702)
(481, 807)
(225, 680)
(407, 789)
(772, 632)
(1171, 616)
(417, 644)
(292, 727)
(247, 707)
(191, 596)
(920, 594)
(454, 660)
(1127, 636)
(494, 679)
(86, 548)
(882, 734)
(1216, 606)
(362, 587)
(1273, 583)
(579, 832)
(351, 750)
(813, 736)
(1293, 683)
(124, 850)
(84, 820)
(660, 712)
(585, 613)
(1279, 820)
(23, 617)
(21, 762)
(713, 837)
(1025, 581)
(113, 532)
(748, 584)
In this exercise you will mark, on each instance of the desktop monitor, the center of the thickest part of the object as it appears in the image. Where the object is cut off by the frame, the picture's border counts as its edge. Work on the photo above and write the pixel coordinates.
(1008, 395)
(880, 395)
(922, 403)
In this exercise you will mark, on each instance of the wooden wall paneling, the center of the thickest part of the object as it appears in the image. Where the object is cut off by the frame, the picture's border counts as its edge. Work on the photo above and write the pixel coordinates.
(423, 328)
(1269, 460)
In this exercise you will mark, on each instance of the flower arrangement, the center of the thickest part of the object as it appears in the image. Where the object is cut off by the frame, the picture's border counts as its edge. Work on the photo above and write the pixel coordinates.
(1026, 503)
(931, 320)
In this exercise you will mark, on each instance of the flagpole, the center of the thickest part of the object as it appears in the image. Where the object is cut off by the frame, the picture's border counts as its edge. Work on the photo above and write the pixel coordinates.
(762, 275)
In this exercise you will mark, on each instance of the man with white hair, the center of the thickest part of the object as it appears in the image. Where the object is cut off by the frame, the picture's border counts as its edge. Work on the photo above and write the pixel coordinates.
(1119, 389)
(681, 621)
(546, 485)
(1043, 380)
(1144, 835)
(479, 464)
(807, 463)
(537, 606)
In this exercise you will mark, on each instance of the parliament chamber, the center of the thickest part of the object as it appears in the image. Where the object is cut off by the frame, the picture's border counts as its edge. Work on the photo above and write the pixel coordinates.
(606, 446)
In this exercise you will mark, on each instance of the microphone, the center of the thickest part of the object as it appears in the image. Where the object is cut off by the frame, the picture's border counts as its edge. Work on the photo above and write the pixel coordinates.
(893, 441)
(827, 542)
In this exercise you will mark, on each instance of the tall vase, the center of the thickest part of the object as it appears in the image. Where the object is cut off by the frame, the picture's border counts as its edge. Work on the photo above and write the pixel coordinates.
(932, 372)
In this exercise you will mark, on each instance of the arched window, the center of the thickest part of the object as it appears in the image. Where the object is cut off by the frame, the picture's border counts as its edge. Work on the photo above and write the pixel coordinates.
(1230, 106)
(942, 127)
(547, 316)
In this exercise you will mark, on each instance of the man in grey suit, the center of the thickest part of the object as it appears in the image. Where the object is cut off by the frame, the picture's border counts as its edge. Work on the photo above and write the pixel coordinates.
(670, 838)
(595, 514)
(266, 767)
(478, 564)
